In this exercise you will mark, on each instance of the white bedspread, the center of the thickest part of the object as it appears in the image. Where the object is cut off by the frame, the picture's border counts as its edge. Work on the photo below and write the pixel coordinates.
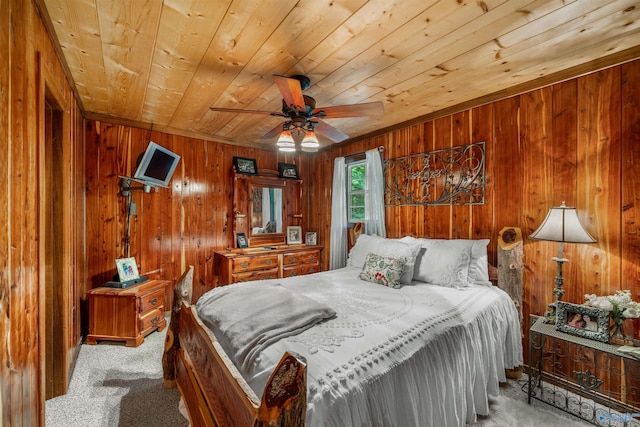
(422, 355)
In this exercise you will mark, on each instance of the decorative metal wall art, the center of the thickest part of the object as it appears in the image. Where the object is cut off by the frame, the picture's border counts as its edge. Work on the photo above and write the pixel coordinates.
(453, 176)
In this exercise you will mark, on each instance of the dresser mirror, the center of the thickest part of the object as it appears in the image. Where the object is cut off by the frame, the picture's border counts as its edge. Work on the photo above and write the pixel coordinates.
(264, 206)
(266, 210)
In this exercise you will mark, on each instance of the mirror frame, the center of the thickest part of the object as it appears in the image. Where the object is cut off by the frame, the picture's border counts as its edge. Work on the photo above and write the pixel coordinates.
(291, 207)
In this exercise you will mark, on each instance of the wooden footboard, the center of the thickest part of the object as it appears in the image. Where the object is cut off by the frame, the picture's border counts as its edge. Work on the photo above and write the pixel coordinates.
(214, 392)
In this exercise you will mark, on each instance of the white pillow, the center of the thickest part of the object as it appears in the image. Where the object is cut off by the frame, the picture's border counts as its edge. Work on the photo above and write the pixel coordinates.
(478, 273)
(390, 248)
(479, 266)
(362, 247)
(443, 263)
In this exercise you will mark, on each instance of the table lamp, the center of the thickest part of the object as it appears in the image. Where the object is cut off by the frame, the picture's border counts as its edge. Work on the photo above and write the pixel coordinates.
(563, 226)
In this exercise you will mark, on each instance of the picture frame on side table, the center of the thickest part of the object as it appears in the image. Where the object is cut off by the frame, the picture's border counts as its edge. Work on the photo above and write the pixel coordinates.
(127, 269)
(288, 171)
(241, 240)
(583, 321)
(294, 235)
(311, 238)
(245, 165)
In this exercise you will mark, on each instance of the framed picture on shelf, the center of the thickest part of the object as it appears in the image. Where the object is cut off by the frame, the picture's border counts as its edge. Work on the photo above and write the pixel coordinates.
(287, 170)
(294, 235)
(127, 269)
(311, 238)
(241, 240)
(244, 165)
(583, 321)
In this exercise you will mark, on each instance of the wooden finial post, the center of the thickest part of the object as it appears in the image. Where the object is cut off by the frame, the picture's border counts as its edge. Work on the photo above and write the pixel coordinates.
(182, 294)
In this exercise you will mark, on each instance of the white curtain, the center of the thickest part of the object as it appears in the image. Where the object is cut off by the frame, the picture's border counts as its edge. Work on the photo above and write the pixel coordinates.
(266, 208)
(277, 203)
(374, 195)
(338, 248)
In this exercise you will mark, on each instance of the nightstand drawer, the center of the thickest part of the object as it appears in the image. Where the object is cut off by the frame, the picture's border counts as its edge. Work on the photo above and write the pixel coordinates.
(152, 300)
(152, 319)
(248, 263)
(255, 275)
(302, 257)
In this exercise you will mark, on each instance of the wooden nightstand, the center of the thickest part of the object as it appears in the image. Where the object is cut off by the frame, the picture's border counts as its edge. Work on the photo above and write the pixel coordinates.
(127, 314)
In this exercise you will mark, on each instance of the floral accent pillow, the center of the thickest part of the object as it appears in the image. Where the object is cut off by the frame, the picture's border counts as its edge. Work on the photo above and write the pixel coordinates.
(383, 270)
(392, 248)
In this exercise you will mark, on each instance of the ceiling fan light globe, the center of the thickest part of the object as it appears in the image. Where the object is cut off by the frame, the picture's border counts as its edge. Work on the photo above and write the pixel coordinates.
(310, 149)
(285, 138)
(310, 140)
(287, 148)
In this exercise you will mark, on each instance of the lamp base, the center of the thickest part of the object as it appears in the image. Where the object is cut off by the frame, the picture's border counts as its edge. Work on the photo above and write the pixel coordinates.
(558, 291)
(550, 314)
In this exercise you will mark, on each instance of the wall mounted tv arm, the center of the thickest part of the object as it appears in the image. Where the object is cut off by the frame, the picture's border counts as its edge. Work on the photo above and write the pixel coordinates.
(126, 188)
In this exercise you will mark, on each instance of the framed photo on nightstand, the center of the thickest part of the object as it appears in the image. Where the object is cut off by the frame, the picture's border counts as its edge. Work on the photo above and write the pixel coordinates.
(127, 269)
(583, 321)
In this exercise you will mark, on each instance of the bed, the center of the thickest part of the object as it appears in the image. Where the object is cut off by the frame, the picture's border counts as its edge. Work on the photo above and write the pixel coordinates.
(411, 332)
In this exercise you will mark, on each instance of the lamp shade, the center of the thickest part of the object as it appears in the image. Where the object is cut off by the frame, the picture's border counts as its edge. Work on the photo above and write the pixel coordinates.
(285, 141)
(310, 140)
(562, 225)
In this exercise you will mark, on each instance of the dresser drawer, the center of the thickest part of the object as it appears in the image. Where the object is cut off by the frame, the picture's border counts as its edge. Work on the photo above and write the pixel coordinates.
(301, 270)
(248, 263)
(151, 320)
(302, 257)
(255, 275)
(152, 300)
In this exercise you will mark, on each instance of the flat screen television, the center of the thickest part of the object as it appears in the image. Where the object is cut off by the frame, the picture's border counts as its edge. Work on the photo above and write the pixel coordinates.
(156, 166)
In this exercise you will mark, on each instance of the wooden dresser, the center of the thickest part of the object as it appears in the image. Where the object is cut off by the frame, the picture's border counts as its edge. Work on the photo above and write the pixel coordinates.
(127, 314)
(241, 265)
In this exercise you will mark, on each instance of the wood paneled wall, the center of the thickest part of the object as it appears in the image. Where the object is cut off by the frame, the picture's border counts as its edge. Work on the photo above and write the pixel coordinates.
(577, 141)
(31, 75)
(174, 227)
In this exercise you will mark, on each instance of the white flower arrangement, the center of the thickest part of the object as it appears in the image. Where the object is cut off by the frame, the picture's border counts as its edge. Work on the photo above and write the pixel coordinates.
(619, 306)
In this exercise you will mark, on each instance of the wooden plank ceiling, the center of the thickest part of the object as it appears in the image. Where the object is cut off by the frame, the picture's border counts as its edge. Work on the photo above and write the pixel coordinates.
(164, 63)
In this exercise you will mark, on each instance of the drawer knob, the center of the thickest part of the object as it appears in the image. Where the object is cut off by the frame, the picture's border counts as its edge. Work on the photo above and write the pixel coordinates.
(155, 320)
(153, 301)
(244, 264)
(293, 273)
(292, 259)
(268, 277)
(268, 262)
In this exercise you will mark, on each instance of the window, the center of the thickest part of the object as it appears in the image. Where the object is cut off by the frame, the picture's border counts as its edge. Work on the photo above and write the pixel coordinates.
(356, 172)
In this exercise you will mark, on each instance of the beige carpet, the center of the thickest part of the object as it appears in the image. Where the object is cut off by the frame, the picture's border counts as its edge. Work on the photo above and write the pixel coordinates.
(114, 385)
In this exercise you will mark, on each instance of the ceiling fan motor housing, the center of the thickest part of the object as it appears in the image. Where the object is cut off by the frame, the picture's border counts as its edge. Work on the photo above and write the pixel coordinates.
(310, 105)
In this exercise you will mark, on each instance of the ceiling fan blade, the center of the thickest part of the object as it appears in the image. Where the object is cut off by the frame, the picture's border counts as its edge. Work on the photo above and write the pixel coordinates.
(291, 91)
(354, 110)
(330, 132)
(273, 132)
(237, 110)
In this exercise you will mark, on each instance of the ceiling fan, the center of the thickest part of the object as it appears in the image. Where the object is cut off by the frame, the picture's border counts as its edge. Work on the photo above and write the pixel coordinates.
(303, 116)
